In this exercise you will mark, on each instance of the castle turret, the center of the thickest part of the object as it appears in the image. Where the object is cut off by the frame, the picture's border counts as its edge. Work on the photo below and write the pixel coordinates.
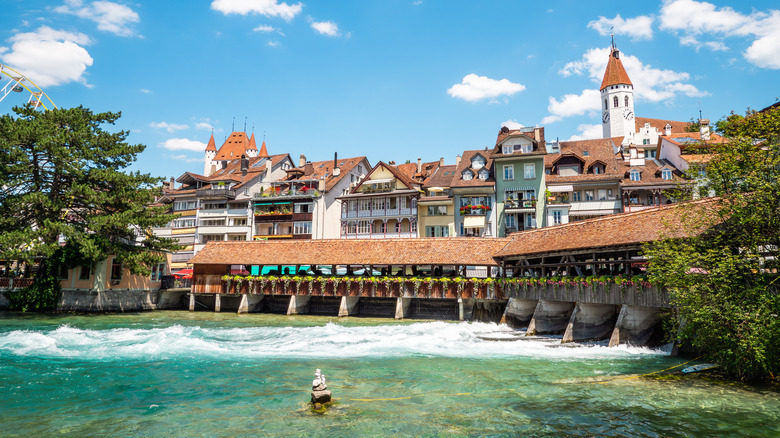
(211, 152)
(251, 149)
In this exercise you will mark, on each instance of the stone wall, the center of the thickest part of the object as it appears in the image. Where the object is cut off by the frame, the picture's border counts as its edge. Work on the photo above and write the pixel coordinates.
(598, 294)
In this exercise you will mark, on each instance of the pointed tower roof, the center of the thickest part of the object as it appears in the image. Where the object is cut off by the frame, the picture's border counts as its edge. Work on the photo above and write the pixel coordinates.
(615, 73)
(252, 144)
(211, 146)
(263, 149)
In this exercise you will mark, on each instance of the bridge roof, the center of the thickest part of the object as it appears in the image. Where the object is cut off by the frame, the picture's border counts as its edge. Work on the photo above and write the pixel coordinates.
(459, 251)
(613, 231)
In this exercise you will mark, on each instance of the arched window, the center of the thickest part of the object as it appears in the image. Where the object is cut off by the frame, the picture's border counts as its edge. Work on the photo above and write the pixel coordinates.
(606, 104)
(615, 101)
(626, 100)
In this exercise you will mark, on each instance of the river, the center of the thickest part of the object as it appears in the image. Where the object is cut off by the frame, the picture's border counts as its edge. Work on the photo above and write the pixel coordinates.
(208, 374)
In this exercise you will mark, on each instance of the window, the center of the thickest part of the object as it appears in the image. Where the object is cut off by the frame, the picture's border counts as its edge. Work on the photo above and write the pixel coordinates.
(392, 203)
(477, 162)
(575, 196)
(437, 231)
(213, 206)
(379, 227)
(364, 205)
(212, 222)
(183, 205)
(302, 228)
(530, 171)
(360, 168)
(507, 149)
(511, 221)
(238, 237)
(364, 227)
(303, 208)
(602, 194)
(206, 238)
(588, 195)
(666, 174)
(158, 271)
(509, 172)
(238, 222)
(467, 175)
(184, 223)
(116, 269)
(530, 220)
(484, 174)
(437, 210)
(352, 227)
(634, 175)
(615, 102)
(626, 100)
(556, 217)
(63, 272)
(650, 153)
(598, 169)
(606, 105)
(86, 272)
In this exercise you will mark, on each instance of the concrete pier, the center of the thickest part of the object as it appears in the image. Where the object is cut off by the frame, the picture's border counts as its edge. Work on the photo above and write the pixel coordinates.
(299, 305)
(250, 303)
(518, 312)
(402, 307)
(590, 322)
(550, 318)
(217, 302)
(349, 306)
(635, 325)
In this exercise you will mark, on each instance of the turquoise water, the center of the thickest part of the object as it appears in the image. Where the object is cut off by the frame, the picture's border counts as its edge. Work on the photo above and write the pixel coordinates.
(205, 374)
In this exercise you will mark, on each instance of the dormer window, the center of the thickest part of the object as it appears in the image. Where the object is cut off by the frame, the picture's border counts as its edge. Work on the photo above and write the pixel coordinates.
(635, 175)
(483, 174)
(477, 162)
(507, 149)
(666, 174)
(468, 175)
(598, 169)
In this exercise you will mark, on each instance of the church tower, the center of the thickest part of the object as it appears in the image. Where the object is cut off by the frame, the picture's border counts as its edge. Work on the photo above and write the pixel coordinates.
(211, 152)
(617, 99)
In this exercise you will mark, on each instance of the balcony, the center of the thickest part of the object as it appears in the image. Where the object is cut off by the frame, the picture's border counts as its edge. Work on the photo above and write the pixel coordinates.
(281, 195)
(216, 194)
(404, 234)
(212, 212)
(389, 212)
(519, 203)
(595, 208)
(299, 217)
(272, 236)
(471, 210)
(558, 200)
(273, 217)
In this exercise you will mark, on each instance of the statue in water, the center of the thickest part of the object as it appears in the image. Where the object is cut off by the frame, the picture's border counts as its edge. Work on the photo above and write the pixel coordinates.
(319, 390)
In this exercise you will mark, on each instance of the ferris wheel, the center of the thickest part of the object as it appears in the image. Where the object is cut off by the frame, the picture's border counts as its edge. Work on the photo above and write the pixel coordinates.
(16, 82)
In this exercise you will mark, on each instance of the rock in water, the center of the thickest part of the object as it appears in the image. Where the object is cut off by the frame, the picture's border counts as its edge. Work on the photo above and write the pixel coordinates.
(320, 396)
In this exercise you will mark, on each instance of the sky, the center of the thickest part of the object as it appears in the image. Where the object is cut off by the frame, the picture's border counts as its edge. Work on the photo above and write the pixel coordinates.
(386, 79)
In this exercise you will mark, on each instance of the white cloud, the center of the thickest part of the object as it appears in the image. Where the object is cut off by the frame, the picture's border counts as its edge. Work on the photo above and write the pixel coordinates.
(587, 132)
(273, 44)
(695, 19)
(49, 57)
(638, 28)
(183, 144)
(146, 91)
(264, 28)
(474, 88)
(268, 8)
(204, 125)
(109, 16)
(328, 28)
(512, 124)
(170, 127)
(573, 105)
(650, 83)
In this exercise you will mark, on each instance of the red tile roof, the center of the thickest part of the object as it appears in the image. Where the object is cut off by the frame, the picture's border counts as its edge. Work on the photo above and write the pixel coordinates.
(263, 150)
(660, 124)
(252, 144)
(324, 169)
(615, 73)
(235, 146)
(624, 229)
(465, 163)
(211, 146)
(422, 251)
(442, 178)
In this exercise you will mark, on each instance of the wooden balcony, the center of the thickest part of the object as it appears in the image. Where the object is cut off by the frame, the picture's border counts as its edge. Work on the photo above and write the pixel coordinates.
(216, 194)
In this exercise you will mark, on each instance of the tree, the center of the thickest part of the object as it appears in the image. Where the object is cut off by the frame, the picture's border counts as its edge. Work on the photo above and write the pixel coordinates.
(724, 282)
(62, 178)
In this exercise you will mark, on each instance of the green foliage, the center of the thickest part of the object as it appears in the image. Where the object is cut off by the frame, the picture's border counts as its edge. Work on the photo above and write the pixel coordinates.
(724, 282)
(61, 174)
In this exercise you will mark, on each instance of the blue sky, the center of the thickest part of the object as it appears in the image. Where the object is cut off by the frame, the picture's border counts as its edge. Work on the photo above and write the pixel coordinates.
(393, 79)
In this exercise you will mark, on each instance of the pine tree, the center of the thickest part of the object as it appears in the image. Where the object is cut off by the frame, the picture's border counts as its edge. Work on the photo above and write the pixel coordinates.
(63, 178)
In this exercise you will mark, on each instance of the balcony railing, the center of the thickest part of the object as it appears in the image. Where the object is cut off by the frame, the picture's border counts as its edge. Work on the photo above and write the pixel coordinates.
(474, 211)
(283, 194)
(379, 212)
(216, 193)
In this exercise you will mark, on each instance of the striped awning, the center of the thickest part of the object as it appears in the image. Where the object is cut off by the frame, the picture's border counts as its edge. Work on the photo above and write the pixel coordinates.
(560, 189)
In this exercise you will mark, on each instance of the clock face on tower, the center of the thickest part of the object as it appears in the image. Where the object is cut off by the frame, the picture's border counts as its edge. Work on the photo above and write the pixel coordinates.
(605, 117)
(628, 114)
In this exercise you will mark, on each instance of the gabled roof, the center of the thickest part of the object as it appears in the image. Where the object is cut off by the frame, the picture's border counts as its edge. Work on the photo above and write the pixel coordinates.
(505, 133)
(660, 124)
(422, 251)
(465, 163)
(324, 169)
(623, 229)
(651, 174)
(443, 177)
(233, 147)
(396, 171)
(590, 152)
(615, 73)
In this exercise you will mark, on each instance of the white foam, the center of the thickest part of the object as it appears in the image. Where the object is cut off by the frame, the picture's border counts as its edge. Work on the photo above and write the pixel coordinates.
(433, 339)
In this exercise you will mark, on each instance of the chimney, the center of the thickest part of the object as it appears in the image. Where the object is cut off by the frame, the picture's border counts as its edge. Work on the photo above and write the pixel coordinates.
(457, 160)
(537, 135)
(302, 161)
(668, 130)
(244, 164)
(704, 129)
(268, 166)
(441, 161)
(419, 165)
(308, 169)
(321, 185)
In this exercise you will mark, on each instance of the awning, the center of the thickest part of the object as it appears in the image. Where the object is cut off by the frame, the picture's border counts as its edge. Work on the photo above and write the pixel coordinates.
(474, 222)
(378, 181)
(560, 189)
